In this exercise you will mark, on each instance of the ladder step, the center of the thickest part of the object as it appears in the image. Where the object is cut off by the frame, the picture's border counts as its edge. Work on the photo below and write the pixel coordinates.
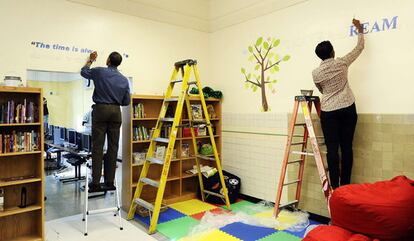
(171, 99)
(213, 194)
(294, 161)
(103, 210)
(302, 153)
(192, 83)
(297, 143)
(176, 81)
(322, 152)
(167, 119)
(288, 204)
(300, 124)
(164, 140)
(144, 204)
(199, 121)
(291, 182)
(156, 161)
(150, 182)
(206, 157)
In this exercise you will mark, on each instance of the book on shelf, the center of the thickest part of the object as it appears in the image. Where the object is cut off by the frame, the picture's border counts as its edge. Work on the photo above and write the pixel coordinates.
(211, 112)
(139, 157)
(139, 111)
(202, 130)
(207, 171)
(20, 142)
(1, 199)
(166, 131)
(196, 112)
(185, 150)
(140, 133)
(160, 152)
(13, 112)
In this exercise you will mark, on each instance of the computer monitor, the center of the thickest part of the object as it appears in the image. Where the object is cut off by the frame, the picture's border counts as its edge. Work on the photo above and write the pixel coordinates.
(51, 127)
(72, 137)
(62, 133)
(56, 136)
(86, 142)
(67, 135)
(79, 140)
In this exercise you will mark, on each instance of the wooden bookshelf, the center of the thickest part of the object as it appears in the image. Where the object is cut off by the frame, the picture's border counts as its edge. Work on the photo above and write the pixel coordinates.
(22, 169)
(180, 186)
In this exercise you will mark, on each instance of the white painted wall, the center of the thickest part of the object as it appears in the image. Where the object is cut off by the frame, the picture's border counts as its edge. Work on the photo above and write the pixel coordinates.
(380, 78)
(153, 47)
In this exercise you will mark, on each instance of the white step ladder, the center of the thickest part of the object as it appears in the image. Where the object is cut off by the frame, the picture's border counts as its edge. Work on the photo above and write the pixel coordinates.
(86, 212)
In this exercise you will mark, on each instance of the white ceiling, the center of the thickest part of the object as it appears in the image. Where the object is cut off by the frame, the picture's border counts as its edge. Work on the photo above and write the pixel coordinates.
(202, 15)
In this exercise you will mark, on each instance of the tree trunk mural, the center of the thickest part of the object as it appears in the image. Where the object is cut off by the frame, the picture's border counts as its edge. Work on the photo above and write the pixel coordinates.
(266, 63)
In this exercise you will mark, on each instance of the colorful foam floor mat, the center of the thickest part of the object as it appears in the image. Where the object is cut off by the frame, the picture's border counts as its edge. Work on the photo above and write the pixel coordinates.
(180, 218)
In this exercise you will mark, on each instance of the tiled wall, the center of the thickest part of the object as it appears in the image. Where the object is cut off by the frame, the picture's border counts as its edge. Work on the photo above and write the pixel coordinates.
(383, 148)
(253, 147)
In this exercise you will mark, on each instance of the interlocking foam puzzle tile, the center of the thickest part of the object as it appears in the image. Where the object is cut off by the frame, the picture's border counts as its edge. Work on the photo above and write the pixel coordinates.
(177, 228)
(215, 235)
(301, 233)
(243, 206)
(280, 236)
(168, 215)
(265, 214)
(247, 232)
(217, 211)
(192, 206)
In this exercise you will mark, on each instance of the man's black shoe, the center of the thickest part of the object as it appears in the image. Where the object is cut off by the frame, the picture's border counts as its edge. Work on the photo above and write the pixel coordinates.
(94, 187)
(108, 186)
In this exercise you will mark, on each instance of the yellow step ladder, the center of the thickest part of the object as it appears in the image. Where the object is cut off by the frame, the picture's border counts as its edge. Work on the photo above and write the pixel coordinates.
(185, 67)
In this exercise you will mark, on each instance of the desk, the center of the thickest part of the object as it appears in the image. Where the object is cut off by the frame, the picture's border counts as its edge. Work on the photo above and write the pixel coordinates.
(80, 158)
(58, 152)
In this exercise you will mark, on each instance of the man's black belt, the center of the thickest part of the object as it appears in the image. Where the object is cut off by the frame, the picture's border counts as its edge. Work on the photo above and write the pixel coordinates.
(107, 104)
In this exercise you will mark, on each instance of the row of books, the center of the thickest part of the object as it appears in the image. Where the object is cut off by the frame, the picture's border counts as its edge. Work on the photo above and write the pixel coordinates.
(166, 131)
(159, 153)
(13, 112)
(139, 110)
(141, 133)
(20, 142)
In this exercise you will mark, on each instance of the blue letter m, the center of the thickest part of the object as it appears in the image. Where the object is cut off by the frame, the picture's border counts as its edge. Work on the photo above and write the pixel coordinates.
(386, 24)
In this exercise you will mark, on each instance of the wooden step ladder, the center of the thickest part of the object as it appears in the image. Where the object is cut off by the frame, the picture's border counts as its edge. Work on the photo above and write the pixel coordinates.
(305, 103)
(185, 67)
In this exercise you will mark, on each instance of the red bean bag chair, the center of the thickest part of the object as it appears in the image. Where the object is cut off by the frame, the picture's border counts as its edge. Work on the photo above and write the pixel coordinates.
(382, 210)
(333, 233)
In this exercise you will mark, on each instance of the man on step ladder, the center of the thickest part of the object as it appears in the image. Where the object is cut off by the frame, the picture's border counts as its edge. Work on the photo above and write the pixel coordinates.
(185, 67)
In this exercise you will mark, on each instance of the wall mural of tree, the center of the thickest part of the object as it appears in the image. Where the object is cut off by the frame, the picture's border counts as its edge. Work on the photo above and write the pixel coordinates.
(265, 65)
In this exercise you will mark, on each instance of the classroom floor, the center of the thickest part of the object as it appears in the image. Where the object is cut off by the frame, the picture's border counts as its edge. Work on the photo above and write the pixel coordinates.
(65, 202)
(177, 222)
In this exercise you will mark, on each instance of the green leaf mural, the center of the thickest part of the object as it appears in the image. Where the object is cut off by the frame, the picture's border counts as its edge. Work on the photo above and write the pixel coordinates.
(259, 41)
(266, 45)
(286, 58)
(264, 65)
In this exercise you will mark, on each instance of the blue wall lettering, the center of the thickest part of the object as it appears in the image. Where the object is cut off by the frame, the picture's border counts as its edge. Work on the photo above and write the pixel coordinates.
(377, 26)
(64, 48)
